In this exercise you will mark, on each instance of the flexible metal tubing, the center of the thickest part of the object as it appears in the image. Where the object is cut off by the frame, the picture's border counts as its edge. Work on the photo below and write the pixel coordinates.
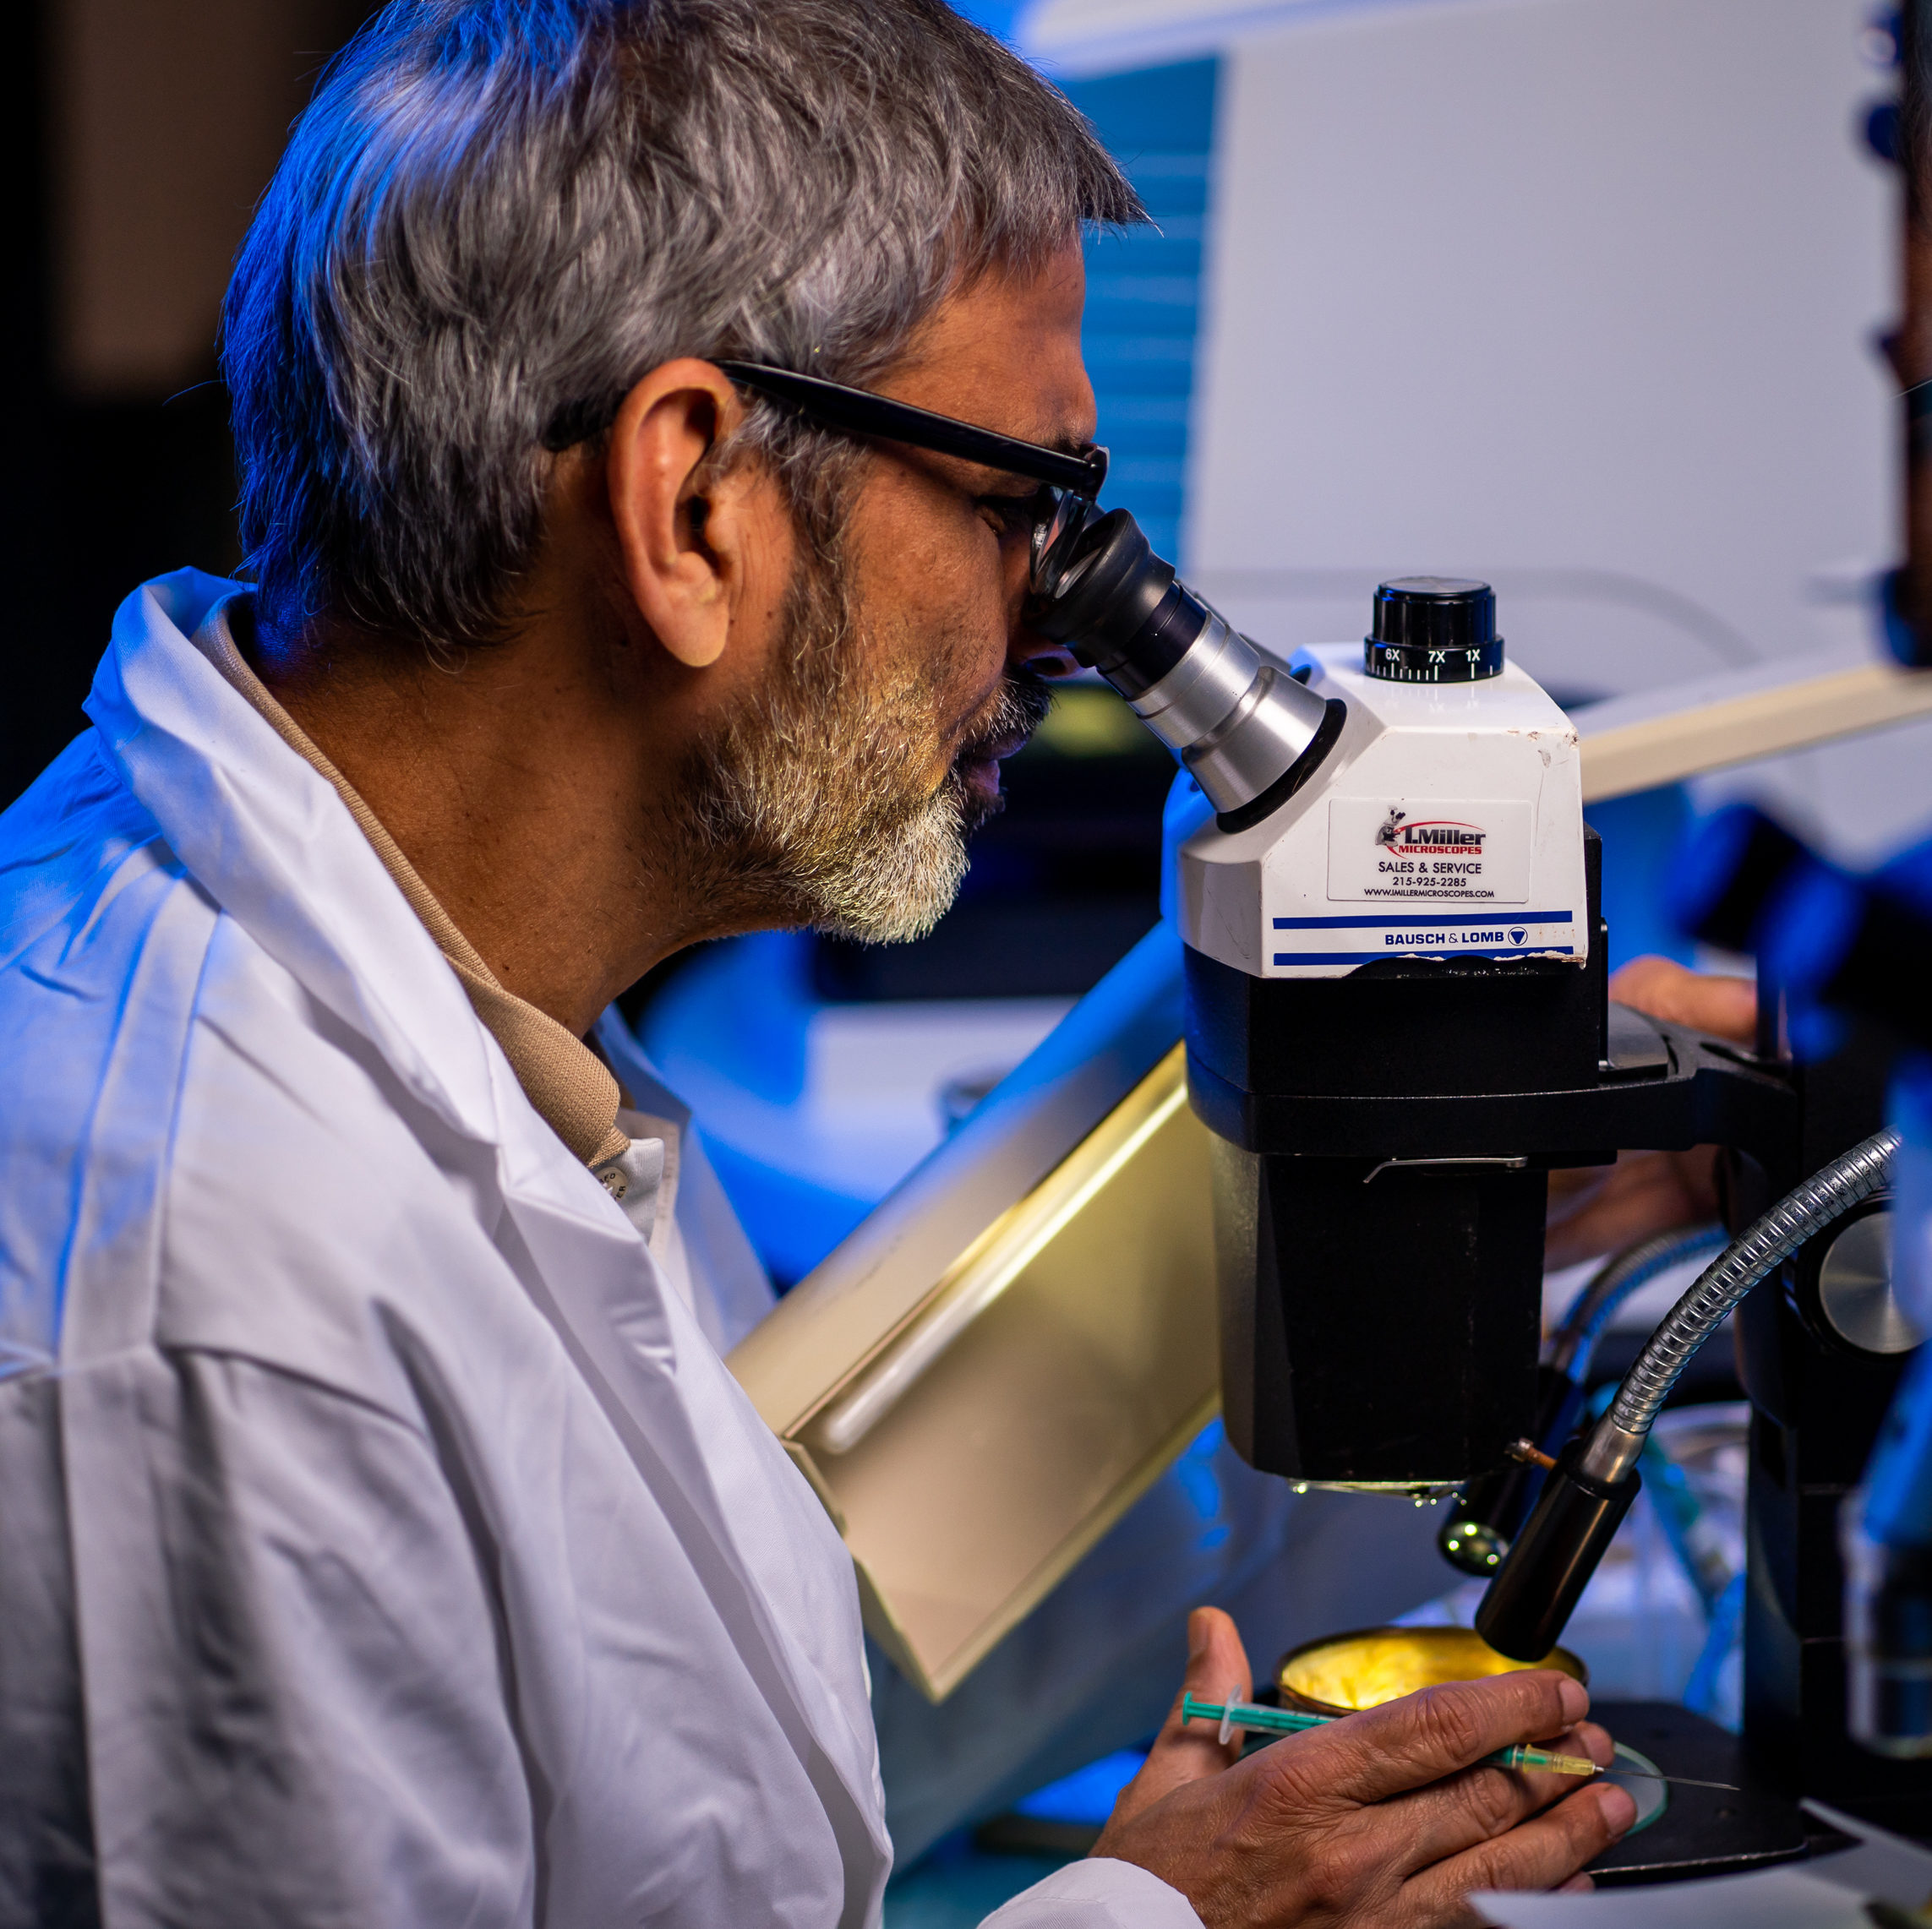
(1800, 1215)
(1613, 1282)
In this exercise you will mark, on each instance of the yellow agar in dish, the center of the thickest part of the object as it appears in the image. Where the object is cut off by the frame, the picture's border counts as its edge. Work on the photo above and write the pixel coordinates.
(1345, 1672)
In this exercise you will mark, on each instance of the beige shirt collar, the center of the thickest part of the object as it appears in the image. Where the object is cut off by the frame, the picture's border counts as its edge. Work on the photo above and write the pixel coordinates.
(567, 1083)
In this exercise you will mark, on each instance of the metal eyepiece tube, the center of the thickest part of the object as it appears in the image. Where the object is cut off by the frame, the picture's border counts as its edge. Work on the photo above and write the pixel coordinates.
(1244, 729)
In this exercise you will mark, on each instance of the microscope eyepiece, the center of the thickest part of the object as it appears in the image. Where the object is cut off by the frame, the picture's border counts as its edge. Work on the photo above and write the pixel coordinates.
(1099, 586)
(1247, 732)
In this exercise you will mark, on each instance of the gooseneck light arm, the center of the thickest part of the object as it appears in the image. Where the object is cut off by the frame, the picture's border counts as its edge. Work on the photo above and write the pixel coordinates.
(1587, 1496)
(1618, 1438)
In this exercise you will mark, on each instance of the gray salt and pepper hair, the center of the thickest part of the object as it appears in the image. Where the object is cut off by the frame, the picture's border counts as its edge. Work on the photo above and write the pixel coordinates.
(496, 216)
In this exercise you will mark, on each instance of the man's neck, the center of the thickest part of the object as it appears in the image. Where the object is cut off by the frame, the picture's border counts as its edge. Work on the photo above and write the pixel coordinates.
(521, 802)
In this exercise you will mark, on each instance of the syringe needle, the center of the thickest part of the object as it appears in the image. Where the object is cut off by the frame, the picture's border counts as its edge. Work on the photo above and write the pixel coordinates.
(1680, 1781)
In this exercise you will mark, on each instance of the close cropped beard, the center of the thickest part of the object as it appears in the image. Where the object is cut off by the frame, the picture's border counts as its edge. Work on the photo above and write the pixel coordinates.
(810, 805)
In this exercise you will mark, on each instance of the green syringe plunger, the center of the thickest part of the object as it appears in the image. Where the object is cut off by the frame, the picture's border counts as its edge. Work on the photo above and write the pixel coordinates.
(1235, 1714)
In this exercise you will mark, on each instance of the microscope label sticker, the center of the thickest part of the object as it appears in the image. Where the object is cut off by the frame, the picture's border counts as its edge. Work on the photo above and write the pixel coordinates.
(1467, 851)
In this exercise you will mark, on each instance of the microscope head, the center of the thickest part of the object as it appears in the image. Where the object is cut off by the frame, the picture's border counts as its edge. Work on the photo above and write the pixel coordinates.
(1446, 824)
(1389, 906)
(1413, 928)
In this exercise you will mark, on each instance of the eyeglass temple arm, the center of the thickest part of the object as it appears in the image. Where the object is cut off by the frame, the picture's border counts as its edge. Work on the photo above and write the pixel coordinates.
(858, 411)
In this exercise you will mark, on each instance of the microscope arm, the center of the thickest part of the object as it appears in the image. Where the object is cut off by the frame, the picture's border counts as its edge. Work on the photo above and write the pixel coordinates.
(1839, 944)
(1494, 1506)
(1659, 1085)
(1888, 1586)
(1588, 1494)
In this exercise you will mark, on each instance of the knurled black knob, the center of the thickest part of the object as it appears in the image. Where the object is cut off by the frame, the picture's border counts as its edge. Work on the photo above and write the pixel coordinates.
(1433, 629)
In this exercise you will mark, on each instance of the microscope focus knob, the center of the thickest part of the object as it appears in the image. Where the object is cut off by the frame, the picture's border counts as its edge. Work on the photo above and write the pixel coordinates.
(1433, 629)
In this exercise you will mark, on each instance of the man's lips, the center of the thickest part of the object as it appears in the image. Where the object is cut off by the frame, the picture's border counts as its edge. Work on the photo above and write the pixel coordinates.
(995, 749)
(1007, 721)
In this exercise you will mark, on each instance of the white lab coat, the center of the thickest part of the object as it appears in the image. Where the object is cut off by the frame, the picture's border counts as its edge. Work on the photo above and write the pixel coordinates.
(1094, 1667)
(382, 1541)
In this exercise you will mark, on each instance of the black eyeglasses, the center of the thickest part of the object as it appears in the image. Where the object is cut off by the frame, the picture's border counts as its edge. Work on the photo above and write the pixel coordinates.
(858, 411)
(1065, 479)
(1068, 484)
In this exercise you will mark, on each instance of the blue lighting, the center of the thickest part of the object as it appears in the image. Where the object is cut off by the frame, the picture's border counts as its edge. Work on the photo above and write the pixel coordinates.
(1086, 1797)
(1144, 287)
(1707, 862)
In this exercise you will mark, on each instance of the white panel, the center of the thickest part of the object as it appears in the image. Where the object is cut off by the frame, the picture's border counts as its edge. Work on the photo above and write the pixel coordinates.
(1859, 800)
(1099, 36)
(1575, 295)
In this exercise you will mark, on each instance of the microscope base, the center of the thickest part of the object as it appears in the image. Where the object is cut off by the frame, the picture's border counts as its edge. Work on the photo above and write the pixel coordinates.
(1702, 1832)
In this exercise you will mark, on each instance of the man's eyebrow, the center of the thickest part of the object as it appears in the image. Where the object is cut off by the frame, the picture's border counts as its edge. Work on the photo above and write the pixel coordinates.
(1059, 439)
(1063, 443)
(1009, 482)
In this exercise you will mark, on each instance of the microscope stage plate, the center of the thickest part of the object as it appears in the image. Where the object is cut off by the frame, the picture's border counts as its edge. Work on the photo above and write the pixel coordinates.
(1701, 1832)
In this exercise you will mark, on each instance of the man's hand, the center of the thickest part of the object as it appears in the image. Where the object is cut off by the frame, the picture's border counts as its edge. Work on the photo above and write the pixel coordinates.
(1596, 1210)
(1382, 1821)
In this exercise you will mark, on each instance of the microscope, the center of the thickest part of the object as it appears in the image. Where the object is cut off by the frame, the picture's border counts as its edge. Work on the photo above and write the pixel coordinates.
(1397, 1025)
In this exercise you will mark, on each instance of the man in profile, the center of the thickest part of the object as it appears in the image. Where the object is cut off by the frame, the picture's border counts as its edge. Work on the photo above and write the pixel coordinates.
(385, 1541)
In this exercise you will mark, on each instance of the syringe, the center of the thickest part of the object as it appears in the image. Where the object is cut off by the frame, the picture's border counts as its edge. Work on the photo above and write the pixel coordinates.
(1235, 1714)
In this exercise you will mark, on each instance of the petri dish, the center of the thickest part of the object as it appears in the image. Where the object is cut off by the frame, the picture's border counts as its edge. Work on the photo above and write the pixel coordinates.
(1341, 1673)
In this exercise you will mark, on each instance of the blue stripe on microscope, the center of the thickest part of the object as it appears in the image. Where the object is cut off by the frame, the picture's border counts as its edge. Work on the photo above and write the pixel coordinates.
(1460, 952)
(1503, 915)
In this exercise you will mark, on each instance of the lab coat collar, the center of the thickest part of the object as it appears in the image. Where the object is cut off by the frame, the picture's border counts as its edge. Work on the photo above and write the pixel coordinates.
(271, 843)
(562, 1077)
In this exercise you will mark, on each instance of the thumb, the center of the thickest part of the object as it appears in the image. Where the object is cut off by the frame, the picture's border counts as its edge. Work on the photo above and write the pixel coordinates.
(1217, 1671)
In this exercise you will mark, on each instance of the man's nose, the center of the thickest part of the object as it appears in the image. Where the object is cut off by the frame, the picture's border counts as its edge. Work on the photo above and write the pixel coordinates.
(1026, 648)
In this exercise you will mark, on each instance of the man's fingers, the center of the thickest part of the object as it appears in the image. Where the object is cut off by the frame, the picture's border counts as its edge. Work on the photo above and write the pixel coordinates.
(1644, 1192)
(1540, 1854)
(1483, 1802)
(1588, 1739)
(1423, 1737)
(1217, 1670)
(1726, 1007)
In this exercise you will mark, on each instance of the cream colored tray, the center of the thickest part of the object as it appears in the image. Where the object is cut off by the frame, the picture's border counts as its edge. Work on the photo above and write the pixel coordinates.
(998, 1362)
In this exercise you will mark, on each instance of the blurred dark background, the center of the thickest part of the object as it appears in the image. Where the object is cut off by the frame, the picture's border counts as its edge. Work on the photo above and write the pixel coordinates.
(138, 133)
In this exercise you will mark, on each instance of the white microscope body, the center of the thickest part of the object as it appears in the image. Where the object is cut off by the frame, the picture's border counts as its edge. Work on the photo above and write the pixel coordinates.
(1447, 820)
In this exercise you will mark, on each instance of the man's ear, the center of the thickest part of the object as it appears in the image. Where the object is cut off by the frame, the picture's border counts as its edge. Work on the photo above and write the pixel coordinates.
(686, 533)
